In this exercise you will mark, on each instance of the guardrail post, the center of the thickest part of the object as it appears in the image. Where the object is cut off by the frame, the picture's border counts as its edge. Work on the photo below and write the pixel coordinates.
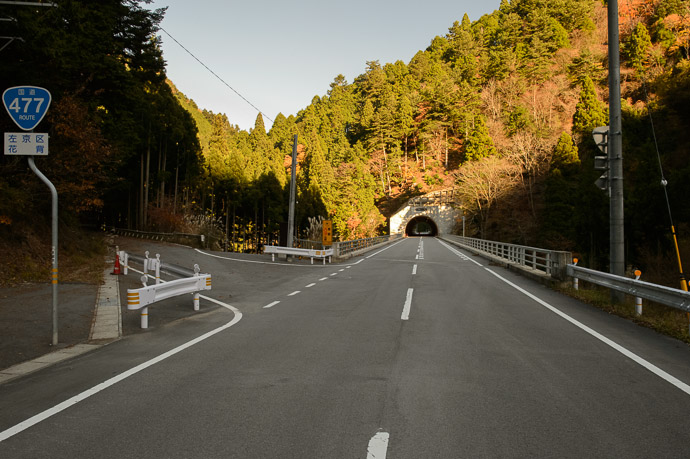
(125, 262)
(158, 268)
(638, 300)
(146, 262)
(144, 314)
(196, 294)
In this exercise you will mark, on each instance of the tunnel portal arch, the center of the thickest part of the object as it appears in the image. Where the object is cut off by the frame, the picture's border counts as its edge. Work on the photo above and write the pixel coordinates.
(421, 225)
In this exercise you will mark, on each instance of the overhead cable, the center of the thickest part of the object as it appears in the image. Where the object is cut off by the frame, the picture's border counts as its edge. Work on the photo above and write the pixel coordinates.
(216, 75)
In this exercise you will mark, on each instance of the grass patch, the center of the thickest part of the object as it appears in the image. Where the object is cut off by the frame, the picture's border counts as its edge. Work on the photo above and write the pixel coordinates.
(28, 258)
(664, 319)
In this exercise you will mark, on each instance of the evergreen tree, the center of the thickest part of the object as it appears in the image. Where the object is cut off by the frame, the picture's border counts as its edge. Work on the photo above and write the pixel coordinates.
(589, 111)
(638, 47)
(565, 153)
(479, 144)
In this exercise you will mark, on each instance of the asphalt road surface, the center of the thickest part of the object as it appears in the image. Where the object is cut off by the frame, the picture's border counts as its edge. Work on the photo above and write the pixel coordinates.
(419, 350)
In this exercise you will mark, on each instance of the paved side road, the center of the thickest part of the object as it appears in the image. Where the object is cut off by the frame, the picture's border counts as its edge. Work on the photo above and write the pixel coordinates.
(26, 321)
(26, 324)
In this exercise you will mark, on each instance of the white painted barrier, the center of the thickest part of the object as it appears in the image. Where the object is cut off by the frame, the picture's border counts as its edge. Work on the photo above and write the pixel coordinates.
(141, 298)
(311, 253)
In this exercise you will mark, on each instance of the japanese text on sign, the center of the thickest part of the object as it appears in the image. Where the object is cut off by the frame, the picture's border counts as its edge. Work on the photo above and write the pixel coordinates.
(26, 143)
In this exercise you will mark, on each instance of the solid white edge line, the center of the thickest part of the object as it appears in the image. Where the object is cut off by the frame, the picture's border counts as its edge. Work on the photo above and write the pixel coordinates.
(631, 355)
(458, 253)
(378, 446)
(414, 270)
(32, 421)
(408, 304)
(382, 250)
(261, 262)
(270, 305)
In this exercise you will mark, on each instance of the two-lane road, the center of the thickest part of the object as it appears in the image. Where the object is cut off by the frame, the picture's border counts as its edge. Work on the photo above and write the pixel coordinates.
(418, 350)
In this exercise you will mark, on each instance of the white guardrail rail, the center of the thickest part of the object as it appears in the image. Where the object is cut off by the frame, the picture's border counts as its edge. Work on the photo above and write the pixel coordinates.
(668, 296)
(343, 248)
(310, 253)
(141, 298)
(551, 262)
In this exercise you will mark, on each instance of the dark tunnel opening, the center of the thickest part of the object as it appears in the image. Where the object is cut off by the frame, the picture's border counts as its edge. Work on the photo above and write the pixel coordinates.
(421, 226)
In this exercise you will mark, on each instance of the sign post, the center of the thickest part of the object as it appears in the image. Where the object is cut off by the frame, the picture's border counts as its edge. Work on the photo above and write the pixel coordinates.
(27, 105)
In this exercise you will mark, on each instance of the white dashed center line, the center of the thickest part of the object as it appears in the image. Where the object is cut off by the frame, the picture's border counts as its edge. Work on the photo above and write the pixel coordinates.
(408, 305)
(378, 446)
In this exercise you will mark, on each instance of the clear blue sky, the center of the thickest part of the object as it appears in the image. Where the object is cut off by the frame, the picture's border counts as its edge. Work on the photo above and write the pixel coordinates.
(280, 54)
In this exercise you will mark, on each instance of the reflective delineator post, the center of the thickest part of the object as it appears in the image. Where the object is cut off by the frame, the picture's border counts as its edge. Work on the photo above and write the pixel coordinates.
(638, 300)
(576, 284)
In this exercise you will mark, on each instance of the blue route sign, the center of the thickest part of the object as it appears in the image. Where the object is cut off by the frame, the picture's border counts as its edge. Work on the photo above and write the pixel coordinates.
(27, 105)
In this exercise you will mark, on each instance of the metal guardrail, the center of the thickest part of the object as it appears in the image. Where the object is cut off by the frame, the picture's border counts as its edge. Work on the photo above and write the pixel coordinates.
(551, 262)
(343, 248)
(165, 267)
(197, 239)
(141, 298)
(311, 253)
(668, 296)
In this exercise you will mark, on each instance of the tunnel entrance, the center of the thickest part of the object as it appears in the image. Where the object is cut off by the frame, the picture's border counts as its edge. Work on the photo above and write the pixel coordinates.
(421, 226)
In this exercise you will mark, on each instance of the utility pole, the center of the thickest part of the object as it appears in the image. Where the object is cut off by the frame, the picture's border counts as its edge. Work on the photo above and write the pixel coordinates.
(615, 150)
(293, 192)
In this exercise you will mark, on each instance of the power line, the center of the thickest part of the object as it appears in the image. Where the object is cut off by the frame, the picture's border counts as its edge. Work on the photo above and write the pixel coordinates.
(216, 75)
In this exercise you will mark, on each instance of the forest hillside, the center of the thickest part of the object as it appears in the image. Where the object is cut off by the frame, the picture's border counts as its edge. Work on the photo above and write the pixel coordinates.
(501, 109)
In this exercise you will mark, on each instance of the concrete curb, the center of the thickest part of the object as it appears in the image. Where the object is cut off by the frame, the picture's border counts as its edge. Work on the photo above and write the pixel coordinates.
(107, 323)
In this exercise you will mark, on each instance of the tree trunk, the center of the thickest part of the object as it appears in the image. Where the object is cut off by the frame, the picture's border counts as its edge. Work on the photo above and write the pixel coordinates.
(177, 172)
(161, 202)
(140, 210)
(233, 227)
(405, 174)
(256, 228)
(227, 221)
(158, 190)
(146, 182)
(446, 132)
